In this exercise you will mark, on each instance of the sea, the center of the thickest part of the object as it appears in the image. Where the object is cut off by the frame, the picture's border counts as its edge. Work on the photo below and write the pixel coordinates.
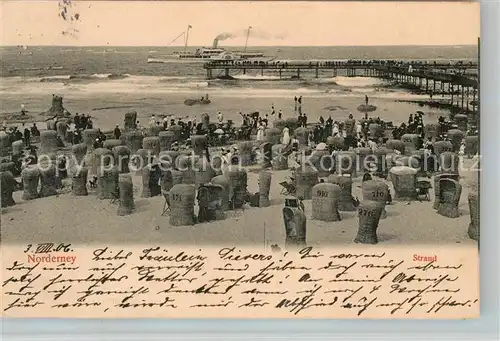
(108, 78)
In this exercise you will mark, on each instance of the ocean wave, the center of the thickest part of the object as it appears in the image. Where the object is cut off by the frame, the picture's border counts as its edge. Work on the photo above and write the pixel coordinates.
(164, 79)
(95, 76)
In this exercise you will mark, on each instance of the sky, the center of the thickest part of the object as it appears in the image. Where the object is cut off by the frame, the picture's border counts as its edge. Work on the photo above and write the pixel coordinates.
(141, 23)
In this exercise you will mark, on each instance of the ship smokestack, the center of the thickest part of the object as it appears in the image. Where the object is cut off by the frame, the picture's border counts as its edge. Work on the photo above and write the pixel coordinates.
(216, 42)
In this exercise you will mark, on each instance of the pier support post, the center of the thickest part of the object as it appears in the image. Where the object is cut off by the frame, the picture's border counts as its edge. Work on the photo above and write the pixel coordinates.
(317, 72)
(426, 84)
(245, 71)
(262, 71)
(226, 71)
(298, 73)
(280, 73)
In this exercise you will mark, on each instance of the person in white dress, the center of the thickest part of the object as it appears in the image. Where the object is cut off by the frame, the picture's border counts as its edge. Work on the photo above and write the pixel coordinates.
(335, 129)
(359, 129)
(372, 144)
(286, 137)
(260, 133)
(226, 159)
(152, 120)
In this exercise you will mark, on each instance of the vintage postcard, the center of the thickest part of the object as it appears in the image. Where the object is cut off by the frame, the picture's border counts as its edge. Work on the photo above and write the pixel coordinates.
(203, 159)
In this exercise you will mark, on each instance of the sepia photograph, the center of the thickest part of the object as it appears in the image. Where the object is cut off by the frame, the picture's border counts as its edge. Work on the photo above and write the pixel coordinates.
(204, 159)
(226, 123)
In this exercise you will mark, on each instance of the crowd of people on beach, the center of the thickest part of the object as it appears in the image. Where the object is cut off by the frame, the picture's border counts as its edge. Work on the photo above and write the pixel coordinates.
(221, 131)
(15, 134)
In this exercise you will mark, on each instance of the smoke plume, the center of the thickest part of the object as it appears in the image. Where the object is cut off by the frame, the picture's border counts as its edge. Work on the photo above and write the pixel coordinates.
(254, 33)
(225, 35)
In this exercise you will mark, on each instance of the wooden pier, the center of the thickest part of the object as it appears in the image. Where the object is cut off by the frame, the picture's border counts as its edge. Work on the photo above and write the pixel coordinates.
(457, 78)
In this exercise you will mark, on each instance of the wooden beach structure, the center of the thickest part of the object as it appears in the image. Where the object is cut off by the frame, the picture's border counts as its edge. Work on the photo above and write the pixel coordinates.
(458, 78)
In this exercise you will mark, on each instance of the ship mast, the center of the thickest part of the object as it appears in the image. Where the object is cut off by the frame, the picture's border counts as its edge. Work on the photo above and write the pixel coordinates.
(186, 38)
(246, 41)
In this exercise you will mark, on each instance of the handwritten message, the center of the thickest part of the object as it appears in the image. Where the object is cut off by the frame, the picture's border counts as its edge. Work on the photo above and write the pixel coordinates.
(62, 280)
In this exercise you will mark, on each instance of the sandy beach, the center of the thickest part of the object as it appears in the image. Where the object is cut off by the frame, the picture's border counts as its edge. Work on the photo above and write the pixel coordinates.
(87, 220)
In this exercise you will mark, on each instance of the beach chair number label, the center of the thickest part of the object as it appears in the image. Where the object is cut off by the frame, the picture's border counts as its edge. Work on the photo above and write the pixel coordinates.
(323, 194)
(378, 194)
(365, 213)
(176, 197)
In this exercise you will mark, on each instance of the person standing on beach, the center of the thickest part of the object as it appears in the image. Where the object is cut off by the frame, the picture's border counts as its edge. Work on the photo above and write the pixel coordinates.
(286, 137)
(366, 99)
(300, 104)
(295, 103)
(27, 134)
(359, 129)
(76, 120)
(220, 117)
(90, 125)
(272, 110)
(117, 132)
(335, 130)
(265, 121)
(260, 133)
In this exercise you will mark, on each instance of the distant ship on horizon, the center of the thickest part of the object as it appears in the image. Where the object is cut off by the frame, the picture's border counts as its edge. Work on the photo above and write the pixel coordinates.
(204, 54)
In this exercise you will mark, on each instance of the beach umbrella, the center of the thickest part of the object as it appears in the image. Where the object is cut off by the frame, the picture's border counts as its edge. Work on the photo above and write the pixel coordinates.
(321, 146)
(219, 131)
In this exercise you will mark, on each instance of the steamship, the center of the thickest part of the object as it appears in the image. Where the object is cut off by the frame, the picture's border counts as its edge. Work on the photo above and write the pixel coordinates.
(208, 53)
